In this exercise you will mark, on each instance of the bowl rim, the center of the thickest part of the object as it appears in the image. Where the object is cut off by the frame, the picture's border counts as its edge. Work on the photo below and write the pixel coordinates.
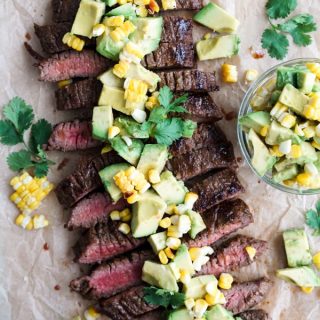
(241, 135)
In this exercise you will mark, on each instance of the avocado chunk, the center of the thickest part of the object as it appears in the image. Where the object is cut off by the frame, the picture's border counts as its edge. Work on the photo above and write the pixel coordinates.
(146, 214)
(294, 99)
(113, 97)
(111, 3)
(107, 175)
(132, 153)
(102, 120)
(286, 75)
(300, 276)
(255, 120)
(88, 15)
(197, 223)
(130, 128)
(159, 275)
(277, 134)
(180, 314)
(158, 241)
(170, 189)
(316, 87)
(196, 288)
(154, 156)
(109, 79)
(287, 173)
(127, 10)
(275, 97)
(183, 260)
(217, 19)
(306, 81)
(261, 160)
(297, 248)
(218, 312)
(148, 33)
(261, 99)
(218, 47)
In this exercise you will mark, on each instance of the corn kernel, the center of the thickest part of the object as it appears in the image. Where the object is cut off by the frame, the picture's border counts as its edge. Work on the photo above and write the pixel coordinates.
(304, 179)
(115, 215)
(314, 68)
(169, 4)
(274, 151)
(199, 262)
(116, 21)
(154, 176)
(184, 224)
(288, 121)
(98, 30)
(113, 131)
(316, 260)
(207, 36)
(154, 7)
(173, 243)
(264, 131)
(185, 277)
(19, 219)
(14, 181)
(298, 131)
(229, 73)
(278, 110)
(64, 83)
(315, 145)
(189, 303)
(289, 183)
(169, 253)
(91, 314)
(106, 149)
(39, 221)
(117, 35)
(163, 257)
(132, 48)
(29, 226)
(174, 234)
(211, 299)
(128, 27)
(200, 307)
(171, 209)
(217, 298)
(307, 290)
(194, 253)
(309, 132)
(124, 228)
(251, 75)
(190, 199)
(133, 198)
(295, 152)
(121, 2)
(142, 11)
(165, 223)
(211, 288)
(225, 281)
(251, 251)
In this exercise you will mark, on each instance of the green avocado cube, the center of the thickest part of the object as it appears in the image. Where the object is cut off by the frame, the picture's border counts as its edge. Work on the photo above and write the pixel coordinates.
(218, 312)
(196, 287)
(158, 241)
(197, 223)
(300, 276)
(102, 120)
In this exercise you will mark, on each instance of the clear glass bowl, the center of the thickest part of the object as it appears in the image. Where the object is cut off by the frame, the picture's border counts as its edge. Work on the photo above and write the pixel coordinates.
(245, 108)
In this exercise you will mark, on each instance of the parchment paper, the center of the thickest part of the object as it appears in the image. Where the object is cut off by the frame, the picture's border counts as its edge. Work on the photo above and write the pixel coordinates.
(28, 273)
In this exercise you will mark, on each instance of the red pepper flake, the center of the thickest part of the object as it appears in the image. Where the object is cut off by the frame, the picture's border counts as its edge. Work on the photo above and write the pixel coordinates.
(257, 54)
(28, 36)
(46, 247)
(57, 287)
(63, 163)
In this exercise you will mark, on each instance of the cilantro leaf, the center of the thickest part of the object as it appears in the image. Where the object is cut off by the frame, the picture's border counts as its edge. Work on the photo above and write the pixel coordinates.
(165, 96)
(318, 206)
(8, 134)
(19, 160)
(280, 8)
(41, 169)
(40, 134)
(157, 114)
(276, 43)
(168, 130)
(177, 104)
(313, 221)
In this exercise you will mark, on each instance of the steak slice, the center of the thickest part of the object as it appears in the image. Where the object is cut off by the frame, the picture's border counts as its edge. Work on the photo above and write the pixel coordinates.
(254, 315)
(189, 81)
(246, 295)
(177, 30)
(92, 209)
(64, 10)
(112, 277)
(72, 64)
(218, 187)
(189, 4)
(72, 136)
(169, 55)
(232, 255)
(190, 165)
(79, 95)
(84, 179)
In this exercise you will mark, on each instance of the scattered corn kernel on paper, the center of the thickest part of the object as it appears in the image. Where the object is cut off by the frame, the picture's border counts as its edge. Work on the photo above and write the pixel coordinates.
(36, 266)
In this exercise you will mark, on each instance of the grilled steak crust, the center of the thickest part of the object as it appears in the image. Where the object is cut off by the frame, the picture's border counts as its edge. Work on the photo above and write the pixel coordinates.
(189, 81)
(189, 4)
(64, 10)
(232, 255)
(177, 30)
(218, 187)
(254, 315)
(72, 136)
(84, 179)
(79, 95)
(92, 209)
(112, 277)
(246, 295)
(72, 64)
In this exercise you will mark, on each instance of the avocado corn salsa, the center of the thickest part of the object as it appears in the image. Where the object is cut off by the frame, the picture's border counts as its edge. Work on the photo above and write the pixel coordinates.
(283, 129)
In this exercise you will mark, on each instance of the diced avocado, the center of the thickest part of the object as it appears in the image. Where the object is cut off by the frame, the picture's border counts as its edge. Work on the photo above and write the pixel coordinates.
(255, 120)
(218, 47)
(306, 81)
(154, 156)
(88, 15)
(148, 33)
(317, 162)
(146, 214)
(108, 47)
(131, 128)
(132, 153)
(217, 19)
(127, 10)
(277, 134)
(301, 276)
(158, 241)
(286, 174)
(196, 288)
(197, 223)
(286, 75)
(297, 248)
(170, 189)
(261, 99)
(261, 160)
(183, 260)
(109, 79)
(102, 120)
(180, 314)
(107, 175)
(275, 97)
(110, 3)
(218, 312)
(159, 275)
(293, 98)
(113, 97)
(316, 87)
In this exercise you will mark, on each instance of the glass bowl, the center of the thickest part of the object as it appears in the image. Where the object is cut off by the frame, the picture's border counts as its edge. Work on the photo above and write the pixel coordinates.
(245, 108)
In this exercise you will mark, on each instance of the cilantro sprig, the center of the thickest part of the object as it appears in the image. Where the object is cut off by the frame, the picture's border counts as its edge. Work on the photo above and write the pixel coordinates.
(18, 118)
(163, 298)
(313, 219)
(275, 39)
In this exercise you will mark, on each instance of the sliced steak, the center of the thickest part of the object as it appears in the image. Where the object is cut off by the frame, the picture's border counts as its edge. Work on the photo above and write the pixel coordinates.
(64, 10)
(189, 81)
(169, 55)
(177, 30)
(254, 315)
(73, 64)
(112, 277)
(79, 95)
(232, 255)
(72, 136)
(246, 295)
(189, 4)
(84, 179)
(92, 209)
(218, 187)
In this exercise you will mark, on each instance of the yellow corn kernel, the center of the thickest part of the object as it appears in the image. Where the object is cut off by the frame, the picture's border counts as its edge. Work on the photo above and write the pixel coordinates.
(128, 27)
(309, 132)
(171, 209)
(165, 223)
(276, 152)
(120, 69)
(117, 35)
(19, 219)
(124, 228)
(143, 186)
(307, 290)
(264, 131)
(152, 102)
(34, 205)
(194, 253)
(14, 181)
(173, 243)
(185, 276)
(163, 257)
(116, 21)
(295, 152)
(91, 314)
(141, 2)
(309, 112)
(211, 288)
(225, 281)
(154, 176)
(189, 303)
(115, 215)
(174, 234)
(64, 83)
(314, 68)
(133, 198)
(200, 307)
(288, 121)
(298, 131)
(98, 30)
(251, 75)
(39, 221)
(142, 11)
(154, 7)
(190, 199)
(210, 299)
(106, 149)
(113, 131)
(169, 253)
(207, 36)
(29, 226)
(132, 48)
(15, 198)
(169, 4)
(251, 251)
(278, 110)
(122, 1)
(229, 73)
(217, 298)
(315, 145)
(304, 179)
(316, 260)
(289, 183)
(66, 38)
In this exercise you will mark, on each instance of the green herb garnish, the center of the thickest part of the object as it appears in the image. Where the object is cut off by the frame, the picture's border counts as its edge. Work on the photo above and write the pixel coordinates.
(275, 39)
(164, 298)
(313, 219)
(18, 118)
